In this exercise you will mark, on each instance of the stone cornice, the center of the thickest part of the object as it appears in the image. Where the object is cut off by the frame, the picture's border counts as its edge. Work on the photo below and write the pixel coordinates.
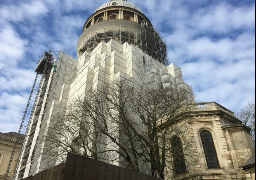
(237, 126)
(12, 137)
(211, 109)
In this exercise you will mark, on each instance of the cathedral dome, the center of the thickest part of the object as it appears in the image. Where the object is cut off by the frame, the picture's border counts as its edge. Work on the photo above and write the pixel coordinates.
(124, 22)
(116, 3)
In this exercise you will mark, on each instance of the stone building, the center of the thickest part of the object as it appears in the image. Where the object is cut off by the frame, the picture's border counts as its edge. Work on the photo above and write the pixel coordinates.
(221, 144)
(249, 168)
(7, 141)
(119, 42)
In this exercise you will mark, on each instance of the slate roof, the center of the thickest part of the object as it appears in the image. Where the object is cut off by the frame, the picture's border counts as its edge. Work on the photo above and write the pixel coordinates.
(249, 163)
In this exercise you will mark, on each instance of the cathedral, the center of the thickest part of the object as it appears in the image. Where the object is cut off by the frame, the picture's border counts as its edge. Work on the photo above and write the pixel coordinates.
(118, 42)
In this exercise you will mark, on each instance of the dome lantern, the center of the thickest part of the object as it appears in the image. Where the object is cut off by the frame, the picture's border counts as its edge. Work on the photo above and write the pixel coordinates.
(120, 3)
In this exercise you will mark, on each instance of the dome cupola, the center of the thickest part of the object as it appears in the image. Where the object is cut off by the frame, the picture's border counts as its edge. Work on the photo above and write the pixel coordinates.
(124, 22)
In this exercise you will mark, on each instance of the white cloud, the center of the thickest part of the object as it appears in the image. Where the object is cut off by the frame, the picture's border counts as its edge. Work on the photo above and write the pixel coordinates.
(16, 79)
(21, 11)
(215, 47)
(224, 18)
(212, 41)
(230, 84)
(80, 4)
(225, 49)
(60, 7)
(11, 110)
(11, 46)
(185, 47)
(67, 39)
(5, 126)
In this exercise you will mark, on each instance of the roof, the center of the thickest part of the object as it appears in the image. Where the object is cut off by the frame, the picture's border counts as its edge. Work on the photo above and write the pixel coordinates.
(114, 3)
(249, 163)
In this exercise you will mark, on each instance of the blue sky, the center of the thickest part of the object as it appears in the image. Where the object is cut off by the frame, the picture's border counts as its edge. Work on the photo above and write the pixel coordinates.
(212, 41)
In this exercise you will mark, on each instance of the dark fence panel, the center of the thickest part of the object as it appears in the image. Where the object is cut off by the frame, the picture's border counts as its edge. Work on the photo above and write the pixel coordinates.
(82, 168)
(55, 173)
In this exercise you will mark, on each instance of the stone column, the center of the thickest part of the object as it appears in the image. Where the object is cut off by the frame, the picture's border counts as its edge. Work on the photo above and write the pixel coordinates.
(136, 18)
(121, 14)
(92, 20)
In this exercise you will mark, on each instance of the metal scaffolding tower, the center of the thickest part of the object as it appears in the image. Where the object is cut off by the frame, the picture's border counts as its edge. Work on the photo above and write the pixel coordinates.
(43, 68)
(148, 40)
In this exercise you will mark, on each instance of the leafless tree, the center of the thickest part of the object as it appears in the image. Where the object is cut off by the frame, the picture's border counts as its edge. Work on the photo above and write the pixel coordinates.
(130, 126)
(247, 116)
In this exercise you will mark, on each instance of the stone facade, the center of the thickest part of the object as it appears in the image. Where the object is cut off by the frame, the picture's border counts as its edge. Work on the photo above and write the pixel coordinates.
(250, 174)
(7, 141)
(249, 168)
(231, 139)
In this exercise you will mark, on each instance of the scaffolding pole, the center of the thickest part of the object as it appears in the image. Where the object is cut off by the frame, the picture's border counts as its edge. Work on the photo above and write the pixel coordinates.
(148, 40)
(23, 126)
(43, 67)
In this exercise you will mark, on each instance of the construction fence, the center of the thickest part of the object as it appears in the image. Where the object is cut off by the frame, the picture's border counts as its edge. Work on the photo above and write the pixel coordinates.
(82, 168)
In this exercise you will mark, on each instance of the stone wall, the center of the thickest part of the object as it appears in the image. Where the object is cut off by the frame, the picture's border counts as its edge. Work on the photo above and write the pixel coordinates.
(7, 141)
(231, 140)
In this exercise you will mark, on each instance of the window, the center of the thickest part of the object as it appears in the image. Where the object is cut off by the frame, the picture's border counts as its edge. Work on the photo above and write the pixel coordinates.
(128, 16)
(140, 19)
(88, 24)
(99, 18)
(178, 156)
(209, 150)
(113, 14)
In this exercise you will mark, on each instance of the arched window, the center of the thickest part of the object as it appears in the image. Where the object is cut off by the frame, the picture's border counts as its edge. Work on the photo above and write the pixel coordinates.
(99, 18)
(179, 164)
(113, 14)
(209, 150)
(128, 16)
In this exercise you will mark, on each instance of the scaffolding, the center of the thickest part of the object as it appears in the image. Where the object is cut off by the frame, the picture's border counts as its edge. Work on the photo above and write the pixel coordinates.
(118, 35)
(45, 63)
(60, 79)
(43, 68)
(53, 70)
(148, 40)
(151, 43)
(48, 85)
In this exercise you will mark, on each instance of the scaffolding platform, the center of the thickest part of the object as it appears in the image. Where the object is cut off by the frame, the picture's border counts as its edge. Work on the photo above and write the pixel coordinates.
(45, 64)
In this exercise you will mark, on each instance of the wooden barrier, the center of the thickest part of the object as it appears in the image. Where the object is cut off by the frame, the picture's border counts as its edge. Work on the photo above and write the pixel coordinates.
(82, 168)
(55, 173)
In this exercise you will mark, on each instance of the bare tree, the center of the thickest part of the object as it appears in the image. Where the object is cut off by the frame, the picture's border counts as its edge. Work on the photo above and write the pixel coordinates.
(130, 126)
(247, 116)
